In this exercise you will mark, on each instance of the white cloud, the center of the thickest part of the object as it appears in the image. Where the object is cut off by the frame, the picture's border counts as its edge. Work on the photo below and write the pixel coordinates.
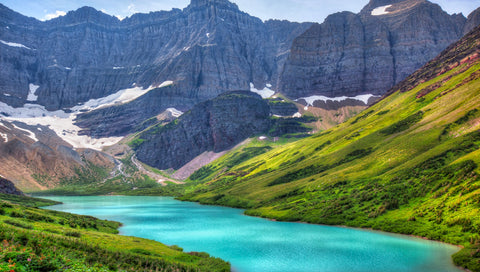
(57, 13)
(131, 8)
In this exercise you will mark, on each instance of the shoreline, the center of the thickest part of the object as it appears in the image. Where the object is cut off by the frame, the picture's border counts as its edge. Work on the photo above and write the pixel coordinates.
(459, 247)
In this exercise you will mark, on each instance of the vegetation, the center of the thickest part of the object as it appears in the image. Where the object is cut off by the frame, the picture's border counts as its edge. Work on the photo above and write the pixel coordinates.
(408, 164)
(40, 240)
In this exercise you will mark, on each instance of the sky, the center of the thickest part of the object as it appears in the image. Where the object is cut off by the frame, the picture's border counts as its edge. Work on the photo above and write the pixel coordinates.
(292, 10)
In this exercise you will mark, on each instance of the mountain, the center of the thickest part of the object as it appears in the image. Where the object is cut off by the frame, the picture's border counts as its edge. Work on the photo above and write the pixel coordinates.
(214, 125)
(7, 187)
(369, 52)
(35, 158)
(207, 48)
(408, 164)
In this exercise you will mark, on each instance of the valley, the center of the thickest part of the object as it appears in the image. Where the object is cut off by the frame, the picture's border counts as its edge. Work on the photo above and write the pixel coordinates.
(368, 120)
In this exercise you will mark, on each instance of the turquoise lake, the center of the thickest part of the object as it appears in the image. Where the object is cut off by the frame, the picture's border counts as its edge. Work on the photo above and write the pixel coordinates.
(257, 245)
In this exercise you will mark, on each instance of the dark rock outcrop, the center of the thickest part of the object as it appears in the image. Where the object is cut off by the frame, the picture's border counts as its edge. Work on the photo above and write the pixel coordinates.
(208, 48)
(7, 187)
(282, 108)
(214, 125)
(351, 54)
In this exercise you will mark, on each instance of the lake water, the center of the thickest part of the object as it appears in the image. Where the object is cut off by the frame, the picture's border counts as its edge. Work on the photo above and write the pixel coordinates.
(254, 244)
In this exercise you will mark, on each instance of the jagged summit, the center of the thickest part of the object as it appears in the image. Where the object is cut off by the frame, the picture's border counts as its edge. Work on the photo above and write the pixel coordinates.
(217, 3)
(391, 4)
(86, 14)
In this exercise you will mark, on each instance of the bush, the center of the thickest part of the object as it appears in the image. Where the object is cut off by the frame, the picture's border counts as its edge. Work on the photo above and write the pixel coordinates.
(18, 224)
(403, 124)
(73, 234)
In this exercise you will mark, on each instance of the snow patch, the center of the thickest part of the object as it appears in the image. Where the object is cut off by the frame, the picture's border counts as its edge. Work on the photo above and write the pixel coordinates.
(62, 123)
(2, 125)
(4, 136)
(7, 27)
(15, 45)
(6, 94)
(165, 84)
(175, 112)
(265, 93)
(381, 10)
(30, 135)
(118, 68)
(297, 115)
(311, 99)
(31, 95)
(262, 138)
(68, 68)
(58, 121)
(208, 35)
(120, 97)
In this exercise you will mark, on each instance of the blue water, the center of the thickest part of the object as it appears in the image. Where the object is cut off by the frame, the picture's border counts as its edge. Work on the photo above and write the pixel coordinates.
(254, 244)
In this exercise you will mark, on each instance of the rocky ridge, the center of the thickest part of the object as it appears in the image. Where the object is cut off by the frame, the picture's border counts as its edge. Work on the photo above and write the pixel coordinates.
(369, 52)
(207, 48)
(214, 125)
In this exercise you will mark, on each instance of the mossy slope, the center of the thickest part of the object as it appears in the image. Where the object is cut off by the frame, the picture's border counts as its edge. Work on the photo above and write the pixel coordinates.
(33, 239)
(408, 164)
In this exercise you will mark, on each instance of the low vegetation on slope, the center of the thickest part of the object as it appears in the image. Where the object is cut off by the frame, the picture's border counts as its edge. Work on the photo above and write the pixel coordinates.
(33, 239)
(408, 164)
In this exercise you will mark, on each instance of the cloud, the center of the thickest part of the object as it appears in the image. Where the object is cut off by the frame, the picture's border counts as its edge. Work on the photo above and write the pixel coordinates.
(131, 8)
(57, 13)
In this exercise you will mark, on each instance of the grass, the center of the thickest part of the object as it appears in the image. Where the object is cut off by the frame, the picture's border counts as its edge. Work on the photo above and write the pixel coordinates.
(40, 240)
(406, 165)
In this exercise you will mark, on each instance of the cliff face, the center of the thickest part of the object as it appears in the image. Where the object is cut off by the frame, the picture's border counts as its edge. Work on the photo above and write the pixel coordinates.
(367, 53)
(7, 187)
(472, 22)
(207, 48)
(214, 125)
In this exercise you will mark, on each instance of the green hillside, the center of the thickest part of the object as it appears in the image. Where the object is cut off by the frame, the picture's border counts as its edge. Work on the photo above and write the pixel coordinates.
(408, 164)
(33, 239)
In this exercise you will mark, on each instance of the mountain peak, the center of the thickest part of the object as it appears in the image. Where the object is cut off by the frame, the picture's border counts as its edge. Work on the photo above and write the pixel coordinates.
(374, 4)
(87, 14)
(203, 3)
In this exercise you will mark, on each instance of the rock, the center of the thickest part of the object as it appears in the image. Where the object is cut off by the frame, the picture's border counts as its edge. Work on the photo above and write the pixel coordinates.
(279, 107)
(46, 162)
(473, 21)
(7, 187)
(214, 125)
(352, 54)
(208, 48)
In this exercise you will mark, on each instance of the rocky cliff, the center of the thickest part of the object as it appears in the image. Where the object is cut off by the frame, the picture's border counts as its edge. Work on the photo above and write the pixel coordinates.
(207, 48)
(367, 53)
(214, 125)
(7, 187)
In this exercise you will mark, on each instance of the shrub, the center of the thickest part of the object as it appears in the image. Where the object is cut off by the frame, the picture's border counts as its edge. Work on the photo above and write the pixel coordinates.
(403, 124)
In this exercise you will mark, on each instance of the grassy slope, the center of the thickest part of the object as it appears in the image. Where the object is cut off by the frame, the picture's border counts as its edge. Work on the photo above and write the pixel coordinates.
(41, 240)
(408, 164)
